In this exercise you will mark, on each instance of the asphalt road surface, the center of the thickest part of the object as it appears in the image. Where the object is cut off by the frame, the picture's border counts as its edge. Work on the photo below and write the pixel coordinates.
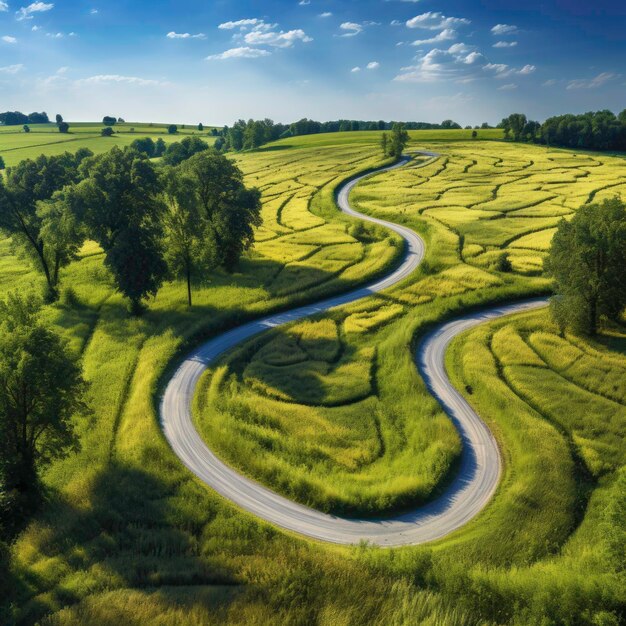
(480, 466)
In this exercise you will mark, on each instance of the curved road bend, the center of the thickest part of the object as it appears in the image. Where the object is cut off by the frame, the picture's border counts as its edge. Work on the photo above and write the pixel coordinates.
(480, 465)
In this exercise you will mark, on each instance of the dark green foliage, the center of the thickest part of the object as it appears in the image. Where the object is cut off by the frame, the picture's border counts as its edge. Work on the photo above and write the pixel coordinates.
(231, 209)
(180, 151)
(397, 142)
(15, 118)
(58, 118)
(2, 165)
(137, 264)
(600, 130)
(107, 132)
(172, 129)
(30, 221)
(64, 127)
(26, 128)
(117, 202)
(190, 249)
(159, 147)
(200, 127)
(109, 120)
(41, 389)
(146, 145)
(503, 263)
(588, 262)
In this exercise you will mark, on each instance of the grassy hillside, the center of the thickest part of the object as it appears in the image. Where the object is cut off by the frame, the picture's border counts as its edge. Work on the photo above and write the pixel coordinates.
(127, 535)
(16, 145)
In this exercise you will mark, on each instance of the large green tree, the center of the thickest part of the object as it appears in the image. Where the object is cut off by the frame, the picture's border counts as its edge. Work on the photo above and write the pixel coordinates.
(588, 263)
(118, 203)
(26, 213)
(231, 209)
(189, 237)
(41, 390)
(397, 142)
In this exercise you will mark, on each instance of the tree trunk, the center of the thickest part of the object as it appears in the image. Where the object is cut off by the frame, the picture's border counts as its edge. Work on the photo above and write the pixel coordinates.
(188, 286)
(593, 316)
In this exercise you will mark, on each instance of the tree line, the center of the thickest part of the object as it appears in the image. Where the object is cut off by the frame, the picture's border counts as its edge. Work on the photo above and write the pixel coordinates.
(252, 134)
(154, 222)
(16, 118)
(599, 130)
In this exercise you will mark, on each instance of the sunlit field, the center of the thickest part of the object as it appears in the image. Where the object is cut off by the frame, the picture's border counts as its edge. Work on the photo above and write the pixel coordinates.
(16, 145)
(332, 412)
(327, 412)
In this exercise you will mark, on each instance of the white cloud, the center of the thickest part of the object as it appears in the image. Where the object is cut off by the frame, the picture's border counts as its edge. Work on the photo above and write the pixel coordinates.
(242, 24)
(12, 69)
(26, 13)
(460, 63)
(445, 35)
(355, 69)
(505, 44)
(93, 12)
(550, 83)
(395, 23)
(351, 28)
(434, 20)
(35, 28)
(509, 87)
(304, 3)
(4, 6)
(243, 52)
(326, 14)
(278, 39)
(373, 65)
(591, 83)
(103, 79)
(9, 39)
(504, 29)
(173, 35)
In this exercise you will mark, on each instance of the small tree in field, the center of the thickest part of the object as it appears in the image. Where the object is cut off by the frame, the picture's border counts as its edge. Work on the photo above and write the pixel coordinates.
(2, 165)
(172, 129)
(200, 126)
(107, 131)
(588, 263)
(58, 118)
(384, 144)
(64, 127)
(26, 128)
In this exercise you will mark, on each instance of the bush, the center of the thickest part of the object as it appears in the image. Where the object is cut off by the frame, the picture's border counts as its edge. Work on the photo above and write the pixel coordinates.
(107, 132)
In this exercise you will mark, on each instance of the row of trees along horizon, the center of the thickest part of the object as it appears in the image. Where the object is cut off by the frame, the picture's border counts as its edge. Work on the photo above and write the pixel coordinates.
(600, 130)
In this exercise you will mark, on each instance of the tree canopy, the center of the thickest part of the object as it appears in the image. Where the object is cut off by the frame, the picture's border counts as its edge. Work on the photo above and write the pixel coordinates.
(231, 209)
(26, 214)
(588, 263)
(118, 203)
(41, 389)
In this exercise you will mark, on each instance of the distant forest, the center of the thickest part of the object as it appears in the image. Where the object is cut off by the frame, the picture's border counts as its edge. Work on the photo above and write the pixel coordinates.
(600, 130)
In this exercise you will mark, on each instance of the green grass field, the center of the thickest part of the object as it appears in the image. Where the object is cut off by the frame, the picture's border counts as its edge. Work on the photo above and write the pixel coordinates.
(16, 145)
(333, 412)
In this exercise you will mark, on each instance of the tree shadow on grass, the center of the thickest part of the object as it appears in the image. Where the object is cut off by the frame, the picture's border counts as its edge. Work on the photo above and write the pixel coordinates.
(127, 530)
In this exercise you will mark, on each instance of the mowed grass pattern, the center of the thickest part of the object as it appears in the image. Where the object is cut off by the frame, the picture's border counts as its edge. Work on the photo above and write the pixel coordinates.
(498, 197)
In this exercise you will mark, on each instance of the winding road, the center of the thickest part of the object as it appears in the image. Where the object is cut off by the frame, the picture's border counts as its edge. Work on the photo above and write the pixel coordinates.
(480, 466)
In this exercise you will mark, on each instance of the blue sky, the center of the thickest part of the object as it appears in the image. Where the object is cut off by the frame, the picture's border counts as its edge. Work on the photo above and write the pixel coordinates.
(216, 61)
